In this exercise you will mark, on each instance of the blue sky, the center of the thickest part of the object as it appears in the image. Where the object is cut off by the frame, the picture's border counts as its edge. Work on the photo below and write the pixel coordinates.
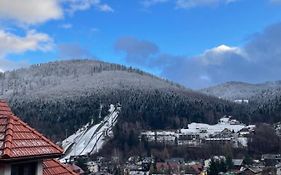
(197, 43)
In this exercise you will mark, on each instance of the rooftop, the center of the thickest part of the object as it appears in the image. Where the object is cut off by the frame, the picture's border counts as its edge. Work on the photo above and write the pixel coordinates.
(19, 141)
(53, 167)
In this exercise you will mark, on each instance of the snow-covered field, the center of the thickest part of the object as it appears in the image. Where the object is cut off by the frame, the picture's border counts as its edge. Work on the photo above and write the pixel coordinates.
(90, 139)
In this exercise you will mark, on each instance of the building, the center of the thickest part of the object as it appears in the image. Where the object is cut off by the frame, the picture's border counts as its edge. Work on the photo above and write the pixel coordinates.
(93, 167)
(24, 151)
(271, 159)
(175, 160)
(252, 171)
(226, 131)
(167, 168)
(54, 167)
(243, 101)
(278, 169)
(75, 169)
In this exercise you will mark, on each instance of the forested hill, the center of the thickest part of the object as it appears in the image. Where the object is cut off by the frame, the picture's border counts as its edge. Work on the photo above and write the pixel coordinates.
(58, 98)
(255, 93)
(76, 78)
(264, 98)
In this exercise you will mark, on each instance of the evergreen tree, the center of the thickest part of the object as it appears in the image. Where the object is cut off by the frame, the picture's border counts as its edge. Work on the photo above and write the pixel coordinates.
(217, 166)
(229, 163)
(213, 168)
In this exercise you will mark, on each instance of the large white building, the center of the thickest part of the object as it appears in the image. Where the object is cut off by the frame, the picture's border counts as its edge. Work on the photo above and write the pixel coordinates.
(227, 130)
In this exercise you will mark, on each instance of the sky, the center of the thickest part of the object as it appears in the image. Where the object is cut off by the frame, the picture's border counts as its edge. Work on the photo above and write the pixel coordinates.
(197, 43)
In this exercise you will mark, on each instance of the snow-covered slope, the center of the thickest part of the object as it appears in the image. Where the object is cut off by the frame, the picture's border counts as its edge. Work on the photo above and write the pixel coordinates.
(91, 138)
(234, 91)
(64, 79)
(63, 96)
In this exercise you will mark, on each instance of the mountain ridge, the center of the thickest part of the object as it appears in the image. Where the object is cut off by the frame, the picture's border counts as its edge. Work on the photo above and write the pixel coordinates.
(61, 97)
(45, 78)
(234, 90)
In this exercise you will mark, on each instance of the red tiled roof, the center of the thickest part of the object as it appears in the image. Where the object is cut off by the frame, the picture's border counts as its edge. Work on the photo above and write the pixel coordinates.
(19, 141)
(4, 108)
(197, 168)
(75, 168)
(54, 167)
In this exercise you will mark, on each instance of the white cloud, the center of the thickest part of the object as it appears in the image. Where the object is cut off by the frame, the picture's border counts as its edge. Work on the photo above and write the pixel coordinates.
(79, 5)
(258, 60)
(216, 55)
(187, 4)
(149, 3)
(13, 44)
(105, 8)
(275, 1)
(30, 11)
(33, 41)
(66, 26)
(223, 48)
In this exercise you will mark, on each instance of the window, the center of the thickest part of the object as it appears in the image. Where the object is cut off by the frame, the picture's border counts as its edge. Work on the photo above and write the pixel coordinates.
(24, 169)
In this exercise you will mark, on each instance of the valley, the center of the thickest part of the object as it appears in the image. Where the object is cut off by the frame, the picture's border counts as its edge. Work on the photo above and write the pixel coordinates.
(100, 110)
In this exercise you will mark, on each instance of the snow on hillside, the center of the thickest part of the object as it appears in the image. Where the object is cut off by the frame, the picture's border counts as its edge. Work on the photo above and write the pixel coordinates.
(76, 77)
(237, 91)
(90, 139)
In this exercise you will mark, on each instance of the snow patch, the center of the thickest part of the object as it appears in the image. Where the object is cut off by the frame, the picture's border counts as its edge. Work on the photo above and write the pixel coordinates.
(90, 139)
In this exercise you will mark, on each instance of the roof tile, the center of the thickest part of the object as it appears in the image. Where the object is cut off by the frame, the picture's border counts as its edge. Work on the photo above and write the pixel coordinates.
(54, 167)
(18, 140)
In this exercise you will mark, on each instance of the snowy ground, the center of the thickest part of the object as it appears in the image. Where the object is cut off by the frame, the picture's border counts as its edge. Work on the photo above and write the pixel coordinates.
(202, 131)
(90, 139)
(205, 130)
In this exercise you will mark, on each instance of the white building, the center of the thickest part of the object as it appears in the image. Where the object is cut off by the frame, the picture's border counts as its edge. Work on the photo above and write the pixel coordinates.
(227, 130)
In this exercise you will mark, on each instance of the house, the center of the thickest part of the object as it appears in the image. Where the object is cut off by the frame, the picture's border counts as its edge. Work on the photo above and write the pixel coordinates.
(278, 169)
(93, 167)
(191, 139)
(271, 159)
(75, 169)
(175, 160)
(148, 160)
(226, 133)
(245, 132)
(241, 101)
(54, 167)
(198, 168)
(237, 163)
(190, 171)
(24, 151)
(222, 141)
(252, 171)
(163, 167)
(277, 127)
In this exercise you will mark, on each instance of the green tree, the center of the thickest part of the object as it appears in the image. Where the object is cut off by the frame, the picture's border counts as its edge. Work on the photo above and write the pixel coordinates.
(217, 166)
(248, 160)
(213, 168)
(229, 163)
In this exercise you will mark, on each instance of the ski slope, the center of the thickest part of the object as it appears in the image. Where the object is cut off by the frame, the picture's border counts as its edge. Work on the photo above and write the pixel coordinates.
(90, 139)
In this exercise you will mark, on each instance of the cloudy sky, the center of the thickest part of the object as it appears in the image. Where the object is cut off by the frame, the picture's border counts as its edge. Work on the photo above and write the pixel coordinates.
(197, 43)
